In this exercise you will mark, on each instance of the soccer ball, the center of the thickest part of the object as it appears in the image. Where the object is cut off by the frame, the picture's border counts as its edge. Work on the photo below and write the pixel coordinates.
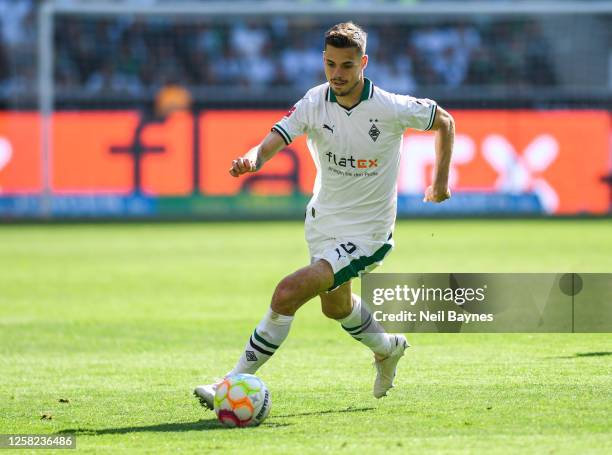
(242, 400)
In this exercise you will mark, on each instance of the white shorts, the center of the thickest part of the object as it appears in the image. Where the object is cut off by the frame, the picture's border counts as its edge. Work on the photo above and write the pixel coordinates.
(348, 257)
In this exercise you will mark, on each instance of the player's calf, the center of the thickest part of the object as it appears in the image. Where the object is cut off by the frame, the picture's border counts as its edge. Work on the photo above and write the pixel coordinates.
(337, 304)
(263, 342)
(361, 326)
(290, 294)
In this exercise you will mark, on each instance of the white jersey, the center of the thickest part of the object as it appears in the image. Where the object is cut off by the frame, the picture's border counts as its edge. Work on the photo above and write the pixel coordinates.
(357, 154)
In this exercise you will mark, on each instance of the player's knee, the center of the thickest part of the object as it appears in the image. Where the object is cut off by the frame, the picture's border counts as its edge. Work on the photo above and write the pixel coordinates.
(284, 299)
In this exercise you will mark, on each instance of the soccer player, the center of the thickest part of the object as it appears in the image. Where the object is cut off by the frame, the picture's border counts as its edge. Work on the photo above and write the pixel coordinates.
(355, 133)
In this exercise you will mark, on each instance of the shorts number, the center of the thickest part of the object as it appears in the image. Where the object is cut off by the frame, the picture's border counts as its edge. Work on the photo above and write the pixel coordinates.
(349, 247)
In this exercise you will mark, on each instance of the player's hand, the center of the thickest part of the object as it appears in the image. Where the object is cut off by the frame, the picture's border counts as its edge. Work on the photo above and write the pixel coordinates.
(241, 166)
(436, 194)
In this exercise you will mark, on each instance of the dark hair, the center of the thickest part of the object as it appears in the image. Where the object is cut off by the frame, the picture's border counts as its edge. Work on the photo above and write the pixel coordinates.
(346, 35)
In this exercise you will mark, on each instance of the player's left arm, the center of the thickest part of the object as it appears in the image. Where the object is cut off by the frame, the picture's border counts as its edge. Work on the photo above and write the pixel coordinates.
(444, 126)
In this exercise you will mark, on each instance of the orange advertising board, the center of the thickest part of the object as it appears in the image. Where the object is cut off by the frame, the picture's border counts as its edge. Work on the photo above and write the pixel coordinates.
(81, 158)
(20, 157)
(170, 171)
(226, 135)
(95, 152)
(559, 156)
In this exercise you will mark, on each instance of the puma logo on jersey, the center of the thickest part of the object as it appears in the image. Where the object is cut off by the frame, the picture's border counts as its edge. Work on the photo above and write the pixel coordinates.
(350, 162)
(330, 128)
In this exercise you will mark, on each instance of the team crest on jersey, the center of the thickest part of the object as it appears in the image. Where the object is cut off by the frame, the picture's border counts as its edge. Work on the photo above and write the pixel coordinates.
(374, 131)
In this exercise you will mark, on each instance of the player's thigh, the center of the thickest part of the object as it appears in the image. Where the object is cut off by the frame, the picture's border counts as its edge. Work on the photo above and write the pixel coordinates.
(337, 304)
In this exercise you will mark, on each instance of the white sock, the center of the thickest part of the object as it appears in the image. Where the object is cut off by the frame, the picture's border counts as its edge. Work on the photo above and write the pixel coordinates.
(266, 339)
(361, 326)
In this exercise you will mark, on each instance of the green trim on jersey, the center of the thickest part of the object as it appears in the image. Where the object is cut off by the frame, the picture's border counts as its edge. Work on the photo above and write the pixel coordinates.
(280, 130)
(359, 265)
(431, 117)
(366, 93)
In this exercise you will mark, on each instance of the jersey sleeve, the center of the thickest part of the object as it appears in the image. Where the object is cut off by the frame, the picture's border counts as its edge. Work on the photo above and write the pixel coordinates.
(294, 123)
(416, 113)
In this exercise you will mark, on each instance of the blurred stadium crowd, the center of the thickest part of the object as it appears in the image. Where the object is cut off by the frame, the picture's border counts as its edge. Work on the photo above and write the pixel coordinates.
(127, 55)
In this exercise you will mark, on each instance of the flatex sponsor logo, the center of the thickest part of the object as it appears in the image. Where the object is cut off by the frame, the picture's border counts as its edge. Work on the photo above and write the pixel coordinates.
(351, 162)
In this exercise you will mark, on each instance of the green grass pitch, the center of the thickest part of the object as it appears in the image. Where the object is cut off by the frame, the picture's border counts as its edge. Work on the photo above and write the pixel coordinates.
(123, 320)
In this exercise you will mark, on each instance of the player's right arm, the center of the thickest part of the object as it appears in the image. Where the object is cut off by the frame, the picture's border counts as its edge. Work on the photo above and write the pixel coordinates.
(255, 158)
(293, 124)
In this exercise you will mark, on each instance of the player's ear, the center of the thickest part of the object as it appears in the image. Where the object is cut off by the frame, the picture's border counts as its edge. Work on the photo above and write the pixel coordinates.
(364, 61)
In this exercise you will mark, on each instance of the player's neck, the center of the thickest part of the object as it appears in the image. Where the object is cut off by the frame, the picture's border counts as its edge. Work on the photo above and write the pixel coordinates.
(352, 98)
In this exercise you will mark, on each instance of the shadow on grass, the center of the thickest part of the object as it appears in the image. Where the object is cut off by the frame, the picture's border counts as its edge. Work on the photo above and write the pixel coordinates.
(317, 413)
(585, 354)
(200, 425)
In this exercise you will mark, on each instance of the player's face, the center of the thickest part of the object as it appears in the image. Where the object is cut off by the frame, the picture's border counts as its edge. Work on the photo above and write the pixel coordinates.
(343, 68)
